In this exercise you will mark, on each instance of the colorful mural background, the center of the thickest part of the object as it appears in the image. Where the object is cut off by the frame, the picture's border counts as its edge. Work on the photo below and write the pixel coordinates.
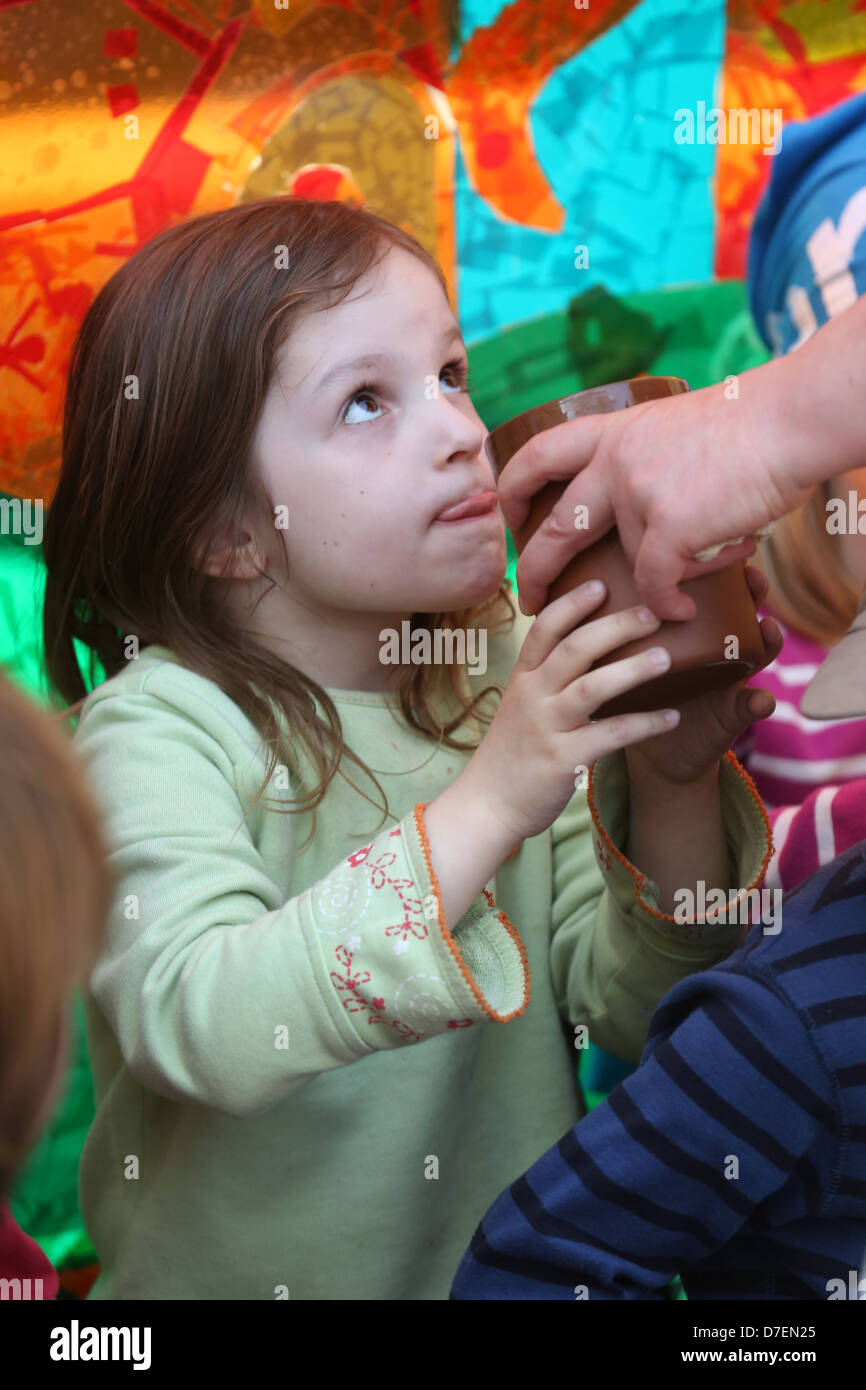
(552, 128)
(530, 146)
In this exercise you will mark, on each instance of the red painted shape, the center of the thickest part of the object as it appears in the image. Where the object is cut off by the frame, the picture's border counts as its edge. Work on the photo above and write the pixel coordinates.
(785, 33)
(493, 149)
(182, 33)
(422, 61)
(320, 184)
(122, 98)
(120, 43)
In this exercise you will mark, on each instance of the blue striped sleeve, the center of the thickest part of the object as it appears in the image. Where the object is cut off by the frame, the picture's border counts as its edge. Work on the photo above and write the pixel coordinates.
(731, 1103)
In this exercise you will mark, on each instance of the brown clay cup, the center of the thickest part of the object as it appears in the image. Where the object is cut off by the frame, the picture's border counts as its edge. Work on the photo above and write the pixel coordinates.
(725, 607)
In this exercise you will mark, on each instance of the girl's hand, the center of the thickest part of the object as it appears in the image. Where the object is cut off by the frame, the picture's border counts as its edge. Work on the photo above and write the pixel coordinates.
(710, 723)
(539, 743)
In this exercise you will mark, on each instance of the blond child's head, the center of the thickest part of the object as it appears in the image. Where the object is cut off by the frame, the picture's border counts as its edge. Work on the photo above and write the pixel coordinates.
(806, 264)
(266, 412)
(54, 897)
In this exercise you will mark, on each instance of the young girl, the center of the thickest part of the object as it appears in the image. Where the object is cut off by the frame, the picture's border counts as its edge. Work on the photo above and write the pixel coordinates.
(315, 1060)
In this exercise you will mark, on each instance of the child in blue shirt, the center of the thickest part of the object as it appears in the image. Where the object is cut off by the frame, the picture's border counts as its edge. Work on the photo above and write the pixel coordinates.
(735, 1156)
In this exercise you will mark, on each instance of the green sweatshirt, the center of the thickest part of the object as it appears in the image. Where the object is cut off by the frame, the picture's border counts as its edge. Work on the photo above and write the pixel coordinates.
(306, 1085)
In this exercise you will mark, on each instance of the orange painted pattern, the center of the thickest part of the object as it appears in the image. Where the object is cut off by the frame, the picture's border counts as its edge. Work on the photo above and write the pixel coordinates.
(798, 56)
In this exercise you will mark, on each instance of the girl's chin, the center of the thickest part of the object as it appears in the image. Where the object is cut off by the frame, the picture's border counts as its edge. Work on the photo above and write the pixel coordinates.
(470, 595)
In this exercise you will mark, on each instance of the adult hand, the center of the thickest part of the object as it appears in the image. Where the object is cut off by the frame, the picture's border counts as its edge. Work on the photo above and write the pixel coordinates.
(676, 476)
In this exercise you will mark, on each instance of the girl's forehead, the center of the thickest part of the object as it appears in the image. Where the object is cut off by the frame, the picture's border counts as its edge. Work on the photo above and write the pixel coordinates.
(377, 318)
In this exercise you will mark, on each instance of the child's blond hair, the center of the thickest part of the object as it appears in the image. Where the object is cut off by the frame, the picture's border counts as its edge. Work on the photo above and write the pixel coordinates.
(810, 588)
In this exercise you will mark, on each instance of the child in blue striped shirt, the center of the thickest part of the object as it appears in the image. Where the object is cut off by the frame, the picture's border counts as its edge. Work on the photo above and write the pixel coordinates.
(735, 1156)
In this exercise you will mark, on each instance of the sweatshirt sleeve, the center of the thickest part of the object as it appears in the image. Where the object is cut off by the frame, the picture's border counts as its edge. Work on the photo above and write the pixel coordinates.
(667, 1170)
(614, 954)
(830, 821)
(220, 989)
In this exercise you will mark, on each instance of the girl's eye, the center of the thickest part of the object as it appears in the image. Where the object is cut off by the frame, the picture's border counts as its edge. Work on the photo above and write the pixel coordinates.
(458, 370)
(370, 391)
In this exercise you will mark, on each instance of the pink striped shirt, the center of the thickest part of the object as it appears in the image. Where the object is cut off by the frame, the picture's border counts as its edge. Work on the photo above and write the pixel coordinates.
(810, 773)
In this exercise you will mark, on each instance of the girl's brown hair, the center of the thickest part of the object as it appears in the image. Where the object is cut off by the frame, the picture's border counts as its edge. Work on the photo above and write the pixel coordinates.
(168, 377)
(55, 890)
(810, 588)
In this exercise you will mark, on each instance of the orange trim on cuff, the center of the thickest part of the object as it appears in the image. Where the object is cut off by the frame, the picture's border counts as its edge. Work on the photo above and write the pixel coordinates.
(452, 944)
(640, 879)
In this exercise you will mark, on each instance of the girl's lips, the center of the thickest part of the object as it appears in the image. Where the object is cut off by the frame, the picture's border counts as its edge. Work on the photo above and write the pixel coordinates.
(479, 505)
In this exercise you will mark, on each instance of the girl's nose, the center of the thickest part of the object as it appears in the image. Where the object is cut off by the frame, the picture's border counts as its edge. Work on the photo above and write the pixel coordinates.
(460, 434)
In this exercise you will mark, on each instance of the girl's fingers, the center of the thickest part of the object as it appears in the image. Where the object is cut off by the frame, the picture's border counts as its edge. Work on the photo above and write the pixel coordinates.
(573, 656)
(578, 701)
(747, 706)
(621, 730)
(758, 583)
(771, 630)
(760, 704)
(568, 645)
(557, 620)
(771, 636)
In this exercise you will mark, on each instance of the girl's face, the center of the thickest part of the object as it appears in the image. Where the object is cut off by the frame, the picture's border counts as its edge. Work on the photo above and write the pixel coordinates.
(364, 473)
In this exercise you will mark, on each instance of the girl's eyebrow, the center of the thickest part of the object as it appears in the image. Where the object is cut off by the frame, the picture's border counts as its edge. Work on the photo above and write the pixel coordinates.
(374, 360)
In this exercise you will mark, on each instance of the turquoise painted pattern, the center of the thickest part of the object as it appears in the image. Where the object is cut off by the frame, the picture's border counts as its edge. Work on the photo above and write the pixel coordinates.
(603, 130)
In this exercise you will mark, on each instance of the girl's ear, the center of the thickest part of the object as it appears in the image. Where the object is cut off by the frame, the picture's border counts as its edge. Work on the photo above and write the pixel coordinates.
(230, 553)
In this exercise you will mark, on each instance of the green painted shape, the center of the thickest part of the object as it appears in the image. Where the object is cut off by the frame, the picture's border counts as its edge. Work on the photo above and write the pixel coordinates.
(700, 332)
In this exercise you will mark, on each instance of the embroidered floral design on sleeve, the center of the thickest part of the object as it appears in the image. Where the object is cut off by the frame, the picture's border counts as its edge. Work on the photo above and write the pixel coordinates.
(354, 1002)
(414, 1006)
(413, 922)
(418, 1000)
(342, 900)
